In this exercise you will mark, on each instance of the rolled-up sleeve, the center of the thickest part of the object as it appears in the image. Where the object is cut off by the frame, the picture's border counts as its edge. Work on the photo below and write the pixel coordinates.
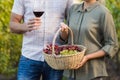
(111, 45)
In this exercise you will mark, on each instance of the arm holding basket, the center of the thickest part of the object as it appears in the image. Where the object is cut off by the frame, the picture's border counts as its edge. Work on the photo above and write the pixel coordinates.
(98, 54)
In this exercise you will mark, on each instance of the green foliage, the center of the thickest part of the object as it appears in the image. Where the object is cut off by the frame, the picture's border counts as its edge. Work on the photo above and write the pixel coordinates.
(114, 6)
(10, 44)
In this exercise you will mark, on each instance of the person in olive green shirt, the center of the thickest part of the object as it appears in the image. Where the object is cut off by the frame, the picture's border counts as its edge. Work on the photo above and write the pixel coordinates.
(93, 26)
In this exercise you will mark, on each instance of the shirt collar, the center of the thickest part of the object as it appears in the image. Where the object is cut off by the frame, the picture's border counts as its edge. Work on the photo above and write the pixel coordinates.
(89, 8)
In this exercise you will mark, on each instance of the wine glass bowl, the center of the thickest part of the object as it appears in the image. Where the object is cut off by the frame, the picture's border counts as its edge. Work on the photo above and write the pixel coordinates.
(38, 13)
(38, 9)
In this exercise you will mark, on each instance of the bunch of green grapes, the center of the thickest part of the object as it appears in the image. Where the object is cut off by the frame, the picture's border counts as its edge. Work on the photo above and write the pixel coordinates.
(68, 52)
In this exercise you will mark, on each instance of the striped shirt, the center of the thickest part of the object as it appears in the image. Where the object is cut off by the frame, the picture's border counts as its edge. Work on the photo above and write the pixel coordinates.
(35, 41)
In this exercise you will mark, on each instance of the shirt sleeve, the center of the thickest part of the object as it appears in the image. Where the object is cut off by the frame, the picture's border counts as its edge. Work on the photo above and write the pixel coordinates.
(110, 36)
(18, 7)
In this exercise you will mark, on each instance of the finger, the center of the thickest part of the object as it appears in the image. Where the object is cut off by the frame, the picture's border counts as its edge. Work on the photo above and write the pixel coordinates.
(34, 25)
(32, 28)
(78, 66)
(63, 28)
(37, 19)
(31, 22)
(63, 24)
(34, 22)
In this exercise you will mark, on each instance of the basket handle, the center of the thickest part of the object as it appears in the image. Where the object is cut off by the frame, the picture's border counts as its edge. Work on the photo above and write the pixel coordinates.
(53, 43)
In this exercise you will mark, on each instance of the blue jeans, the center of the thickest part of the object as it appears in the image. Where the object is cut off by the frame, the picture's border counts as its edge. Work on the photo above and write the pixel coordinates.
(32, 70)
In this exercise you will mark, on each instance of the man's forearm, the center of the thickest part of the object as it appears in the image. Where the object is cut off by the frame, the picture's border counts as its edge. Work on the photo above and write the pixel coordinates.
(17, 28)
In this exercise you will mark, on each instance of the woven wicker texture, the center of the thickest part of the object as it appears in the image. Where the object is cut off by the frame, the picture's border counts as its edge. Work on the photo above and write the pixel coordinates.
(61, 62)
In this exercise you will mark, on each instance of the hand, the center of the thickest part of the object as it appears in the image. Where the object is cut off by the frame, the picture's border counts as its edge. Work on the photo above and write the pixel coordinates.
(33, 24)
(84, 60)
(64, 31)
(64, 28)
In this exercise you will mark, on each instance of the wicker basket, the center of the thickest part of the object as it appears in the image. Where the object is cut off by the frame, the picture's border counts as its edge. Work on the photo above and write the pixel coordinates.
(61, 62)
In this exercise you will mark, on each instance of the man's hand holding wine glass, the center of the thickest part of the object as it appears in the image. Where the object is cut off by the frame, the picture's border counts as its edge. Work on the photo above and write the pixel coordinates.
(33, 24)
(38, 10)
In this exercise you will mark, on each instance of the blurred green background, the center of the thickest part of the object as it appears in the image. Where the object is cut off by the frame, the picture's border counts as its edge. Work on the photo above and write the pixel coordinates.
(10, 44)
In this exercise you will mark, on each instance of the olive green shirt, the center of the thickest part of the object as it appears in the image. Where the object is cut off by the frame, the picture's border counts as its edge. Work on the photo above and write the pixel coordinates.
(94, 28)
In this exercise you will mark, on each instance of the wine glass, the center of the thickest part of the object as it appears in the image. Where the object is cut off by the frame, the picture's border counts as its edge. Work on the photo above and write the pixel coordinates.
(38, 8)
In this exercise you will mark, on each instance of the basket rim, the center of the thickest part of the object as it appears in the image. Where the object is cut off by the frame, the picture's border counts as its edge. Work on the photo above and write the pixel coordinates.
(63, 55)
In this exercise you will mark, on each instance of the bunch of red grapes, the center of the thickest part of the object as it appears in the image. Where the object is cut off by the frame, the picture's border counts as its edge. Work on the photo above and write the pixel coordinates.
(61, 49)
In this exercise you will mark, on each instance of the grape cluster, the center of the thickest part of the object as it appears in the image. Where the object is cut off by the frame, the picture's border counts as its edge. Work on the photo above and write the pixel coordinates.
(66, 52)
(62, 50)
(48, 49)
(69, 49)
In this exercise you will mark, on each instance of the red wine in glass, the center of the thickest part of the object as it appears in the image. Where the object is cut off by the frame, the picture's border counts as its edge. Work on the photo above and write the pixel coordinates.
(38, 13)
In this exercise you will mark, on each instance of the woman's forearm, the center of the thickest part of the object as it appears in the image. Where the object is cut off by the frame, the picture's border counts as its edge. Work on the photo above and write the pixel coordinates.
(94, 55)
